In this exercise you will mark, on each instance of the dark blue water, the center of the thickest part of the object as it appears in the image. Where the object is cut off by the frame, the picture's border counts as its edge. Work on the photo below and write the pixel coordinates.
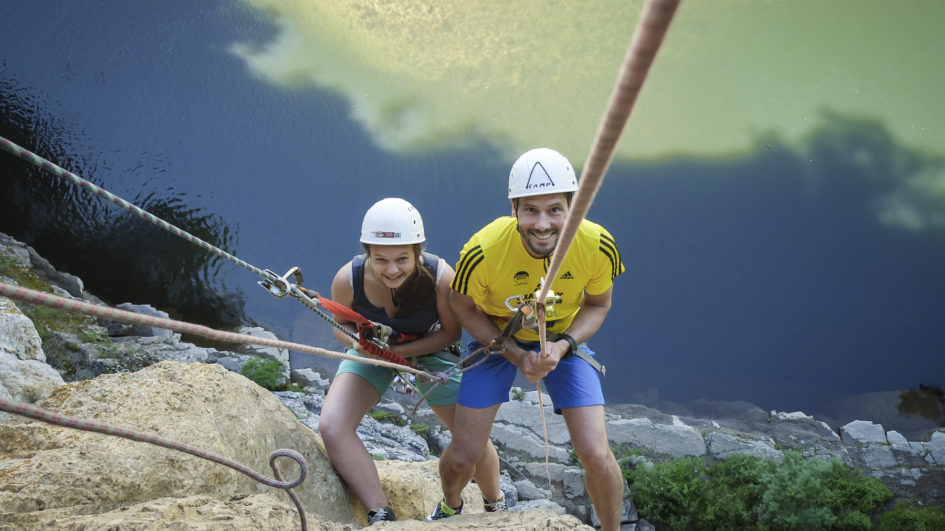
(765, 278)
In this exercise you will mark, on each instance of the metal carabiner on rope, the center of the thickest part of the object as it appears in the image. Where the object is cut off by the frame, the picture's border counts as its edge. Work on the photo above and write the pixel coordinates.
(530, 320)
(379, 334)
(281, 287)
(550, 312)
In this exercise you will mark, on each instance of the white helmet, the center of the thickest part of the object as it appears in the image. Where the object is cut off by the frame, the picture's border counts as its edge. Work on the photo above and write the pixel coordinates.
(541, 171)
(392, 221)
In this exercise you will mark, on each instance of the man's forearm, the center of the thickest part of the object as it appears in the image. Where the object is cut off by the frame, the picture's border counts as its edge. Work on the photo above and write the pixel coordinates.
(590, 317)
(586, 323)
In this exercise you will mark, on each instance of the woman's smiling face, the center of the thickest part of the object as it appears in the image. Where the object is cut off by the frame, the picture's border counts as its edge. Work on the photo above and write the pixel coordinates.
(392, 264)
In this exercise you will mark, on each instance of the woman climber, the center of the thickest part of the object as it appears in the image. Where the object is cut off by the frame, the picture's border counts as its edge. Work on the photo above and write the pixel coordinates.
(397, 284)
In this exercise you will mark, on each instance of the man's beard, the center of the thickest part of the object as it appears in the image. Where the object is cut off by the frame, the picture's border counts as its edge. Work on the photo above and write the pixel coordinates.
(532, 251)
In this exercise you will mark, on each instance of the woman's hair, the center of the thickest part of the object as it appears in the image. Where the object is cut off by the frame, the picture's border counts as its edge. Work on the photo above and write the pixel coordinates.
(419, 287)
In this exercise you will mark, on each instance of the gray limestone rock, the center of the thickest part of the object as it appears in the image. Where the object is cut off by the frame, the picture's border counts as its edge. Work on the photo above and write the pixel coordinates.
(659, 439)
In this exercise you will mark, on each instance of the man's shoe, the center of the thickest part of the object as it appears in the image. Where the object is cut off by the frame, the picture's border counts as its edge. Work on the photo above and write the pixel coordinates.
(444, 511)
(494, 506)
(381, 515)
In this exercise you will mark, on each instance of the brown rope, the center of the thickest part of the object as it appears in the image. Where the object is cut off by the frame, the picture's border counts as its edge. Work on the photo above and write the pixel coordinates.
(105, 312)
(651, 28)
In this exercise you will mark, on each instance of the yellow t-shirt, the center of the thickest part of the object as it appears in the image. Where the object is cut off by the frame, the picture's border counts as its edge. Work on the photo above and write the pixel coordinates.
(494, 267)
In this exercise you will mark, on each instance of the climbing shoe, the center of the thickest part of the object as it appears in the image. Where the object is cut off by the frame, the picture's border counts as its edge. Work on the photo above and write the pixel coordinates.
(494, 506)
(381, 515)
(444, 511)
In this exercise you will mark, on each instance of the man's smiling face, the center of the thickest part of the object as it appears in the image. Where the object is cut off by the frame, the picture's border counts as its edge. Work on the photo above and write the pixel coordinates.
(540, 220)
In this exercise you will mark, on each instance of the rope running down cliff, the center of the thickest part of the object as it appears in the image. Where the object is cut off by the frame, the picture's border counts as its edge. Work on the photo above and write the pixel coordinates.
(651, 29)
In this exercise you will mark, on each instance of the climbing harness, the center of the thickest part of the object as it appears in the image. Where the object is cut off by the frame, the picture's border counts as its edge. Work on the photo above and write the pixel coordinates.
(576, 351)
(43, 415)
(372, 336)
(496, 346)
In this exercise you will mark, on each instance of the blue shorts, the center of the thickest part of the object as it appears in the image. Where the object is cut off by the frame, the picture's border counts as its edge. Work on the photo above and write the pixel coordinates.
(573, 383)
(382, 377)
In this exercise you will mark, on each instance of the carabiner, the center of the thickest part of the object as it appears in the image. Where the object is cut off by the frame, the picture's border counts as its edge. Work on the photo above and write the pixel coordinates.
(280, 286)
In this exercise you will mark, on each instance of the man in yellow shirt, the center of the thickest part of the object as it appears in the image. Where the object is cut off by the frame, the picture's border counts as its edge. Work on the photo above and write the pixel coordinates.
(503, 265)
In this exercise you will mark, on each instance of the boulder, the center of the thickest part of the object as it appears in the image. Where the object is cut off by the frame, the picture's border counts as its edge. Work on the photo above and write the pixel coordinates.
(44, 467)
(18, 336)
(201, 512)
(413, 490)
(53, 477)
(24, 375)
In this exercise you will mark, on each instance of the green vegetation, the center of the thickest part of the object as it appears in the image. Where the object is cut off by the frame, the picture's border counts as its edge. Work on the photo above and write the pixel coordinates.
(266, 373)
(385, 416)
(46, 320)
(909, 515)
(737, 489)
(672, 493)
(22, 275)
(745, 492)
(420, 429)
(96, 335)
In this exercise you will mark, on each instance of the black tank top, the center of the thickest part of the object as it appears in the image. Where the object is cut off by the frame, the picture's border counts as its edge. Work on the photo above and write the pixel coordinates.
(418, 323)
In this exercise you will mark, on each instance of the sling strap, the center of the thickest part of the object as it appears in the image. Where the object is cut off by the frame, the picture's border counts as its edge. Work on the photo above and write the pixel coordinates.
(602, 369)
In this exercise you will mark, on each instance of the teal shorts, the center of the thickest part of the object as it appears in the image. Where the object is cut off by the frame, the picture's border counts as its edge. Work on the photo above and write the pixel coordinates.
(382, 377)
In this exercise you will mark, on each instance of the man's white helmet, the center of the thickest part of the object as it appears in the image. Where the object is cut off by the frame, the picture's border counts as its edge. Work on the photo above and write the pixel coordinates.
(392, 221)
(541, 171)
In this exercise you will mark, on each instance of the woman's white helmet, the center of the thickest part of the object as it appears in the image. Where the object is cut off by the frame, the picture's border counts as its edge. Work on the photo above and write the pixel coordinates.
(541, 171)
(392, 221)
